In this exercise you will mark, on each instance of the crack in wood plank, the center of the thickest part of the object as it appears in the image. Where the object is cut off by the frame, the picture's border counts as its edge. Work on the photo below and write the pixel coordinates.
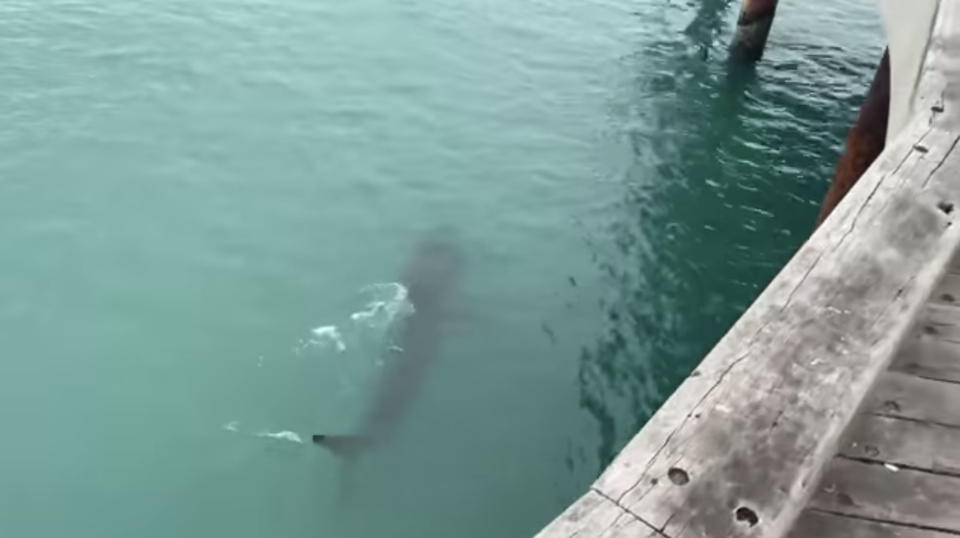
(686, 419)
(953, 146)
(626, 510)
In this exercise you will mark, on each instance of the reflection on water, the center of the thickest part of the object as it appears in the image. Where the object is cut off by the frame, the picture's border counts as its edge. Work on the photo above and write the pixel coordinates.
(722, 171)
(709, 22)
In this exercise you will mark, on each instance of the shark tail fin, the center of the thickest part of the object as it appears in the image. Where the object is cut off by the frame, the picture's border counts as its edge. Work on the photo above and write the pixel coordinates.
(348, 447)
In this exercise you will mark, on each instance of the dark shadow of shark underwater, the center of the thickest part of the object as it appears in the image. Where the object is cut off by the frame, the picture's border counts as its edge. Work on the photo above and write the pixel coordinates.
(430, 276)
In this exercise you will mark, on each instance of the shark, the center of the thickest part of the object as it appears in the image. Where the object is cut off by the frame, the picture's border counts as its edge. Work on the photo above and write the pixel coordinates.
(431, 277)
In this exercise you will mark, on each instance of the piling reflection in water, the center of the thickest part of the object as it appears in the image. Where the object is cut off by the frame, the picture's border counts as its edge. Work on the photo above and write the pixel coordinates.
(722, 172)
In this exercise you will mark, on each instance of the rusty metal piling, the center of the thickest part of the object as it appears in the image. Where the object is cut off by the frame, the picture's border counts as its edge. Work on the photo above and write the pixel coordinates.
(753, 28)
(865, 141)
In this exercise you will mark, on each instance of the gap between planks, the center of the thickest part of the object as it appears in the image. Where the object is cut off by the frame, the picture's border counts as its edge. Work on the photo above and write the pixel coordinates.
(905, 396)
(932, 351)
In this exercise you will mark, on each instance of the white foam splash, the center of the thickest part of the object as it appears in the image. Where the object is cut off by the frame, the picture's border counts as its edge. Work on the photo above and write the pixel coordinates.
(385, 303)
(329, 334)
(292, 437)
(388, 301)
(285, 435)
(373, 308)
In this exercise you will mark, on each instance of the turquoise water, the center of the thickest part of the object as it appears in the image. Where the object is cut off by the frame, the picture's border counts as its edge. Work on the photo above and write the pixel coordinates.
(205, 206)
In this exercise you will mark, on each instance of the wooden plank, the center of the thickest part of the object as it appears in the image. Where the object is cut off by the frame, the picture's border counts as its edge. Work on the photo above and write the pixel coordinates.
(904, 396)
(905, 497)
(928, 356)
(595, 515)
(904, 443)
(813, 524)
(940, 322)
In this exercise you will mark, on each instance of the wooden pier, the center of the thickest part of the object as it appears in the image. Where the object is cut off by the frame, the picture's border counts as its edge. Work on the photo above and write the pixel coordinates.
(832, 407)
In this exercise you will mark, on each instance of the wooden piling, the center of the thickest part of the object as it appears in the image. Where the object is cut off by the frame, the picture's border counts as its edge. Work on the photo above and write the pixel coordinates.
(753, 28)
(865, 141)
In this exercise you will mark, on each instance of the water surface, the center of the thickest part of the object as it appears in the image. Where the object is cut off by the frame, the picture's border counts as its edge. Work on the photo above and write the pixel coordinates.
(194, 194)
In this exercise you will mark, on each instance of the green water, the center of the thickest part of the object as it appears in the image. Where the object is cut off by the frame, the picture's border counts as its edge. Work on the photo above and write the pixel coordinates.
(188, 189)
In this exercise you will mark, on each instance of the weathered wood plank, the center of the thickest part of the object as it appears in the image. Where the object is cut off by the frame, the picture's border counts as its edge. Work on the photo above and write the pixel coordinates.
(926, 355)
(940, 322)
(596, 516)
(905, 396)
(904, 443)
(875, 492)
(813, 524)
